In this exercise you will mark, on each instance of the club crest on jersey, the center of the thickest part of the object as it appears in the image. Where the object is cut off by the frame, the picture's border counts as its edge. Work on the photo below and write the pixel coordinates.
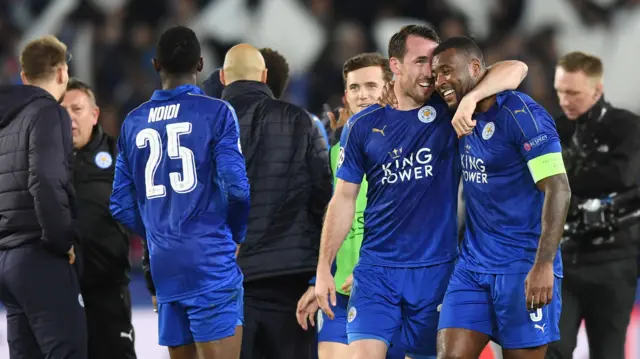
(488, 131)
(427, 114)
(103, 159)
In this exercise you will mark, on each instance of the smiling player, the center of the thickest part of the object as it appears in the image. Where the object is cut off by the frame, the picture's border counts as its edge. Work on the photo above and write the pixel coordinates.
(409, 157)
(506, 284)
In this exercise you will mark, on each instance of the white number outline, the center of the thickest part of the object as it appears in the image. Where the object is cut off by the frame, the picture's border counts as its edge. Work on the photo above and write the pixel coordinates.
(183, 182)
(536, 316)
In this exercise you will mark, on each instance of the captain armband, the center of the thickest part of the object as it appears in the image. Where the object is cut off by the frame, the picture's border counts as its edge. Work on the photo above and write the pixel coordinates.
(545, 166)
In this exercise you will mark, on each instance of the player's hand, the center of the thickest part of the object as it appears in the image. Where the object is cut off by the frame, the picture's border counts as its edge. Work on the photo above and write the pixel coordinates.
(72, 255)
(538, 287)
(388, 97)
(237, 251)
(155, 303)
(348, 283)
(343, 116)
(325, 291)
(463, 121)
(307, 308)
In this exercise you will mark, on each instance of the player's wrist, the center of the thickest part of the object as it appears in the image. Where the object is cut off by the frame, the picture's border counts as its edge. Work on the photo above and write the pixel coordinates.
(543, 262)
(323, 267)
(473, 96)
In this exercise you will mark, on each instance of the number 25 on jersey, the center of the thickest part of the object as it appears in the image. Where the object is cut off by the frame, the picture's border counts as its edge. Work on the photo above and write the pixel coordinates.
(183, 182)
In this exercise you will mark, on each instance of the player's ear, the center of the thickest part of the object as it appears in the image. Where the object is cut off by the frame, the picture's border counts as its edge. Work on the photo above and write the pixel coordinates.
(156, 64)
(599, 90)
(222, 77)
(60, 74)
(475, 67)
(23, 78)
(395, 65)
(263, 78)
(96, 115)
(200, 65)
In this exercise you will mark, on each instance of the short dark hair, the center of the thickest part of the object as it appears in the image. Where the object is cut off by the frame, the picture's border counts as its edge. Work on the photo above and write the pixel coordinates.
(41, 56)
(366, 60)
(76, 84)
(178, 50)
(462, 43)
(579, 61)
(398, 42)
(278, 71)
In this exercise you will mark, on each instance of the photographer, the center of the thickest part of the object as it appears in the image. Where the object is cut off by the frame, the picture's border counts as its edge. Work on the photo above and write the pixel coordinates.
(602, 155)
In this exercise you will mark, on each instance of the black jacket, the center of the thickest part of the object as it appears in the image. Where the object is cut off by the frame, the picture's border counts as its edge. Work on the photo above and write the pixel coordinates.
(37, 199)
(602, 156)
(104, 243)
(288, 169)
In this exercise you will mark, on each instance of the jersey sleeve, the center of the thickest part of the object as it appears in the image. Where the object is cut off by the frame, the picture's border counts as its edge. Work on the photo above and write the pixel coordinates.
(124, 204)
(350, 165)
(534, 133)
(231, 168)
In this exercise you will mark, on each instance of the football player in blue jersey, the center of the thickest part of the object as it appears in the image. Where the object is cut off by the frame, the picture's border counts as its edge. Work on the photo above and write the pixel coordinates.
(181, 183)
(410, 158)
(506, 284)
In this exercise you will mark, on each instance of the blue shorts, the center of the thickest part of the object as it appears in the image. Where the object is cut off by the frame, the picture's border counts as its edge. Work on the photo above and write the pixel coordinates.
(388, 303)
(494, 304)
(210, 316)
(335, 330)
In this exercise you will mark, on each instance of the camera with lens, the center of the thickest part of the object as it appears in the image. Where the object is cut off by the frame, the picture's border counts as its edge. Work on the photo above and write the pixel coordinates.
(598, 219)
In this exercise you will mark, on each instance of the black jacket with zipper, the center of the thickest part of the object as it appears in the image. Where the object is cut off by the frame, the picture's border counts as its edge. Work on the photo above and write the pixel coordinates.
(288, 168)
(37, 197)
(104, 243)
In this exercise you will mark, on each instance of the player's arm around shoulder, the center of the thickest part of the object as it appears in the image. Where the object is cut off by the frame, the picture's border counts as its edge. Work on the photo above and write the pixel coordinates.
(501, 76)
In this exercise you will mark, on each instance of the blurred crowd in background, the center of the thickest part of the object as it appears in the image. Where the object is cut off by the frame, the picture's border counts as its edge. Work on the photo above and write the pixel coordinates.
(112, 41)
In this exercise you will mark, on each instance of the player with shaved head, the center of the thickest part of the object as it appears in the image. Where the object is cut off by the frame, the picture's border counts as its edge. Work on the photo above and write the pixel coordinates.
(288, 168)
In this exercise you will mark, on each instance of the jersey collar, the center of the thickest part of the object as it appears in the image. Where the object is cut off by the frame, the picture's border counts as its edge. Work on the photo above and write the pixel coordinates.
(493, 109)
(163, 95)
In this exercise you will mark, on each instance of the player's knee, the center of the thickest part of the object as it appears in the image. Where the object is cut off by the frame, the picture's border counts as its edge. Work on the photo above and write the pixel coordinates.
(329, 350)
(368, 349)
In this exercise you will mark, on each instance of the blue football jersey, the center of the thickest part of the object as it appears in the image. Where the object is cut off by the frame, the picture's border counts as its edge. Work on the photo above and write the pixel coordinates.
(181, 182)
(412, 166)
(503, 204)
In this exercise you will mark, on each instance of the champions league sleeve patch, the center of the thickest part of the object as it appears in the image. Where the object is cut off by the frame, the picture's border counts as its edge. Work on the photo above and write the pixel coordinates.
(103, 160)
